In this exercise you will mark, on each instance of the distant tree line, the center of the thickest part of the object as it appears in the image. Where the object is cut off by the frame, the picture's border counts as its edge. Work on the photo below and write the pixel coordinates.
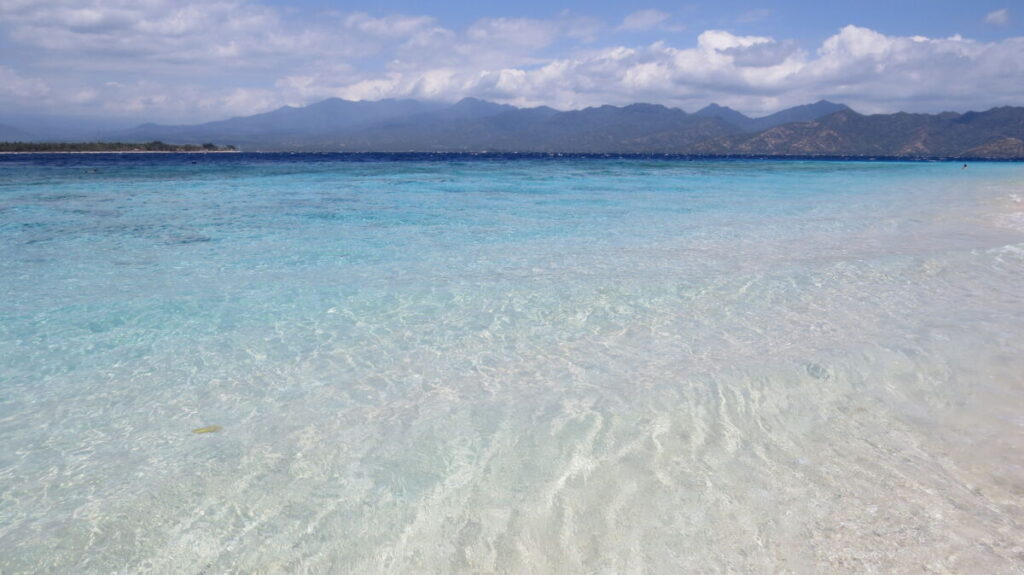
(155, 146)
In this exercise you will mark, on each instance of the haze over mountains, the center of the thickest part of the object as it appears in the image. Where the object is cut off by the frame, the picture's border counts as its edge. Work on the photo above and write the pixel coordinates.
(12, 134)
(473, 125)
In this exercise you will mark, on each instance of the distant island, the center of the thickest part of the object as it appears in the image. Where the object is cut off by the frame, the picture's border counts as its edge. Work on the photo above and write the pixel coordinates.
(81, 147)
(825, 129)
(821, 129)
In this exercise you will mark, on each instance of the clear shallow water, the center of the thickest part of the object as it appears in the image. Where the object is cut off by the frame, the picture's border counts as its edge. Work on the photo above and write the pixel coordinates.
(509, 365)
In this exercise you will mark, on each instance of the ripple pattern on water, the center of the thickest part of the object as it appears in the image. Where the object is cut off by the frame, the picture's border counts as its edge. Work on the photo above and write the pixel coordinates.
(502, 365)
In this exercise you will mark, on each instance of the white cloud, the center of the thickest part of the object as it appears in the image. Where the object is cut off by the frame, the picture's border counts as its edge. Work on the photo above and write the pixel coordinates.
(861, 67)
(175, 102)
(120, 34)
(998, 17)
(390, 26)
(643, 20)
(187, 60)
(16, 87)
(512, 33)
(717, 41)
(763, 54)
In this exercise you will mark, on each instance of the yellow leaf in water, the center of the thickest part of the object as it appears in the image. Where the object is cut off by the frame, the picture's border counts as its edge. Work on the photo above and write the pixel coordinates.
(207, 429)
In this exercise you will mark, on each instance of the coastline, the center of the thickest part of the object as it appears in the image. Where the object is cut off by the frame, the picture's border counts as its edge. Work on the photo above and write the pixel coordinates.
(410, 154)
(126, 152)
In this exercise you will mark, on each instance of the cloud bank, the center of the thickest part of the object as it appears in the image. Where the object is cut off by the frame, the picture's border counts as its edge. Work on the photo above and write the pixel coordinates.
(191, 61)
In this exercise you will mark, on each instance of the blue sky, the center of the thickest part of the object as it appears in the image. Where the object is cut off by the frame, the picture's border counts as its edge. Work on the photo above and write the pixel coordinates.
(803, 20)
(192, 60)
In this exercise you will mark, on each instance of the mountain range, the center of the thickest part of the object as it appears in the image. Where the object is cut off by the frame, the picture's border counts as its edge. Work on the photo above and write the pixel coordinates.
(997, 133)
(472, 125)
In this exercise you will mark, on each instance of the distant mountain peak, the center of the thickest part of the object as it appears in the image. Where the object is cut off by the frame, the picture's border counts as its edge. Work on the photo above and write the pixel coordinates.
(471, 102)
(643, 106)
(821, 106)
(470, 107)
(992, 134)
(844, 113)
(713, 107)
(726, 114)
(474, 124)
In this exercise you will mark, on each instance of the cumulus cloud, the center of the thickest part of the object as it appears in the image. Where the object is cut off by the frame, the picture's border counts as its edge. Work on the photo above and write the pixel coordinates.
(864, 68)
(763, 54)
(998, 17)
(188, 60)
(146, 30)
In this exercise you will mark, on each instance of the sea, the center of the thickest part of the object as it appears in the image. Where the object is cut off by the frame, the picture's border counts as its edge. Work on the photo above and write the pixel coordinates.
(521, 364)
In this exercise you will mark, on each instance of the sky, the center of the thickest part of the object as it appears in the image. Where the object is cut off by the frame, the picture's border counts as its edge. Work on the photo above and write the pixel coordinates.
(188, 61)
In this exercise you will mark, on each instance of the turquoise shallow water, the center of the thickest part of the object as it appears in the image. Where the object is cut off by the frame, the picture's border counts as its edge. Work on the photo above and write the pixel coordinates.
(514, 365)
